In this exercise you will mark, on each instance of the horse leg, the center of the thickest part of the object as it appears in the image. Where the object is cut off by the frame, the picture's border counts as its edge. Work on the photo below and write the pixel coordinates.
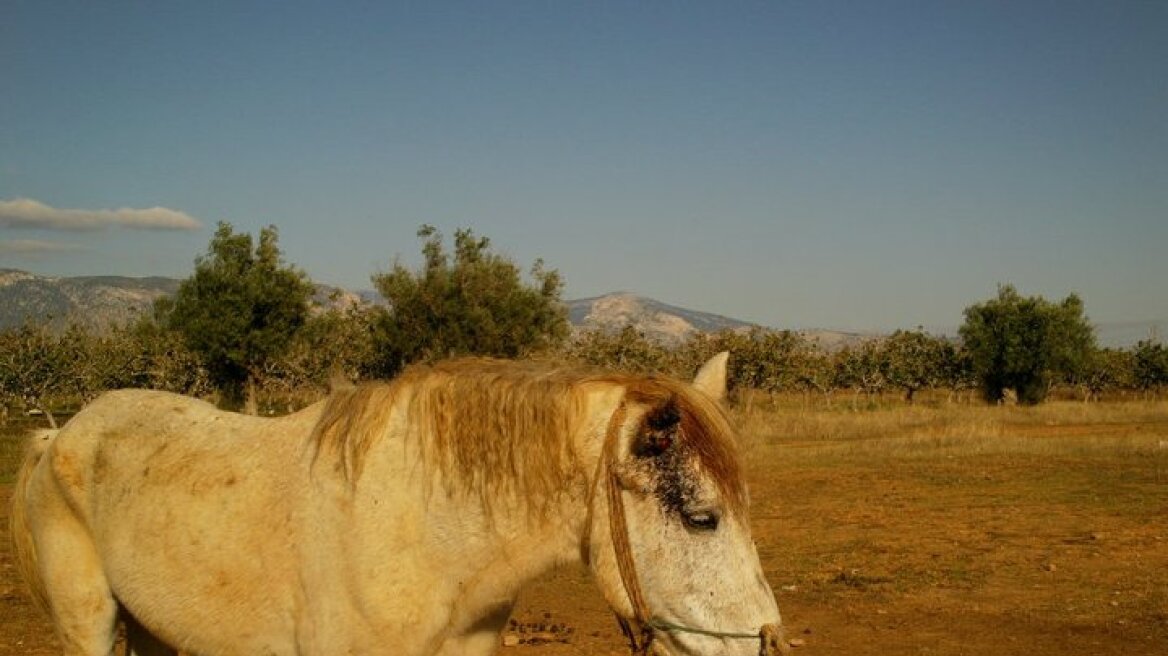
(83, 607)
(141, 642)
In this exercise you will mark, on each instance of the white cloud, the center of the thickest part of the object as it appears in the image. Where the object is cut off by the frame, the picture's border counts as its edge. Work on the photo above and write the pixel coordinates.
(35, 247)
(28, 213)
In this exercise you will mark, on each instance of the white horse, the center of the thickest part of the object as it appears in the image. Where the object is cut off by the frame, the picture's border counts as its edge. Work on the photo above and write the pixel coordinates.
(399, 517)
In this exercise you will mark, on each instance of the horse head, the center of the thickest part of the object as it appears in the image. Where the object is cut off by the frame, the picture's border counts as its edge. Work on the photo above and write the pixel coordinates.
(669, 538)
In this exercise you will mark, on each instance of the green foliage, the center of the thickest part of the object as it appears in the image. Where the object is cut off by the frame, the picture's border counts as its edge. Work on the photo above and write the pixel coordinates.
(914, 360)
(818, 372)
(863, 368)
(334, 343)
(767, 360)
(625, 350)
(956, 368)
(44, 370)
(1026, 343)
(240, 309)
(1104, 370)
(159, 359)
(1150, 367)
(36, 365)
(474, 303)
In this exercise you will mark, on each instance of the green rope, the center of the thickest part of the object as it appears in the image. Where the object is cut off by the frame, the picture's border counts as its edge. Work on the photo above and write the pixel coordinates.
(665, 625)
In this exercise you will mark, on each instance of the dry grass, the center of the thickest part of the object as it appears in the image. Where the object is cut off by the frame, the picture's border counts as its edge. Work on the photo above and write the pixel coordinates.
(12, 440)
(1049, 523)
(900, 430)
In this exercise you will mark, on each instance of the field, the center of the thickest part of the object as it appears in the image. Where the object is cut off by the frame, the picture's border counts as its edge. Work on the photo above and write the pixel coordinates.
(932, 529)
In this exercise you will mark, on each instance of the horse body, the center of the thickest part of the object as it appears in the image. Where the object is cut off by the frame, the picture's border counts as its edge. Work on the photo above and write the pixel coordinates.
(143, 488)
(394, 518)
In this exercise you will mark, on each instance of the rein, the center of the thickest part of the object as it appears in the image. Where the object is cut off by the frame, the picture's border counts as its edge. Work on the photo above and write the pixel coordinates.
(641, 638)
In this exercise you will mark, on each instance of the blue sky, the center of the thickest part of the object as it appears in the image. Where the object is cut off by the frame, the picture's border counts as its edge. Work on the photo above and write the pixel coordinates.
(853, 165)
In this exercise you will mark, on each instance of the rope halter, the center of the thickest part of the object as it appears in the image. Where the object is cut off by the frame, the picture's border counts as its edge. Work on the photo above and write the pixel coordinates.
(641, 636)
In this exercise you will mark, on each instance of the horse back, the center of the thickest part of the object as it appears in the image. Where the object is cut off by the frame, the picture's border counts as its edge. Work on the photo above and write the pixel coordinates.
(133, 445)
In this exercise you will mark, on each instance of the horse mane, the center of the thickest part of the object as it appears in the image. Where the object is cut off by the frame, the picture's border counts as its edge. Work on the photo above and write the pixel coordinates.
(494, 427)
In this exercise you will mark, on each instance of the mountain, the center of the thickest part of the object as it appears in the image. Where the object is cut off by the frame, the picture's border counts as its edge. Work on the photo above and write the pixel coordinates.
(659, 321)
(669, 324)
(100, 302)
(95, 302)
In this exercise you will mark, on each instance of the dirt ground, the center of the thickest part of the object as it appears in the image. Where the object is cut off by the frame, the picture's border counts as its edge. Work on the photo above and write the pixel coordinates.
(938, 548)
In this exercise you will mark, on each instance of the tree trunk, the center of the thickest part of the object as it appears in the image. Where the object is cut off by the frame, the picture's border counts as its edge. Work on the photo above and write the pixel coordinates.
(250, 404)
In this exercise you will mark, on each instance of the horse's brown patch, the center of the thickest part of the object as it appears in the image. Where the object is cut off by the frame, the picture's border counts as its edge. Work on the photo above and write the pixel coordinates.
(67, 469)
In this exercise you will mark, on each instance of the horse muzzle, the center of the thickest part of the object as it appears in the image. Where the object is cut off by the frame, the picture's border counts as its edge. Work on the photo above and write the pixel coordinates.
(771, 640)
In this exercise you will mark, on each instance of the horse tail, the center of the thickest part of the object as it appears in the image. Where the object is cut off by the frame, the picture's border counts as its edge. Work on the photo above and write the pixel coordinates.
(22, 541)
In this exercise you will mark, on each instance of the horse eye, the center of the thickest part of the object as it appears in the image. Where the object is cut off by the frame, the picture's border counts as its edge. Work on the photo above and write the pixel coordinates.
(700, 521)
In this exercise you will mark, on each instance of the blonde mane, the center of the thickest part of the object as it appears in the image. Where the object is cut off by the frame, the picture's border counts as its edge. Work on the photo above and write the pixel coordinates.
(495, 427)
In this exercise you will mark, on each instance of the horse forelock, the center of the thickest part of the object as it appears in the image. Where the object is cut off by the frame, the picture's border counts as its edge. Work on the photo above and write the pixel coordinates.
(499, 429)
(704, 430)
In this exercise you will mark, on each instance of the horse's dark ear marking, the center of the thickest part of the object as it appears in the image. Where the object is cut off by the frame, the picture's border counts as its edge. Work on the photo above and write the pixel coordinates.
(658, 430)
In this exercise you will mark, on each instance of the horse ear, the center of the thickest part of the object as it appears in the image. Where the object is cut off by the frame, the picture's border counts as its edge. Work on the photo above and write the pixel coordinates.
(711, 378)
(658, 430)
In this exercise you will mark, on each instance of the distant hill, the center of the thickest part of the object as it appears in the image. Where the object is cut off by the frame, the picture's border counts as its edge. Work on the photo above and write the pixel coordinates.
(98, 302)
(670, 324)
(657, 320)
(95, 302)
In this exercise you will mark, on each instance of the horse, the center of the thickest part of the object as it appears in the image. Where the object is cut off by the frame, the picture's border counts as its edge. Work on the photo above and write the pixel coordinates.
(401, 516)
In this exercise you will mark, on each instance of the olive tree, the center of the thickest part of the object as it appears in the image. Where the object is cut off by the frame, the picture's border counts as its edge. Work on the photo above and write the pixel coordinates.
(1106, 370)
(39, 367)
(627, 349)
(334, 344)
(240, 309)
(1026, 343)
(471, 301)
(1150, 366)
(914, 360)
(864, 368)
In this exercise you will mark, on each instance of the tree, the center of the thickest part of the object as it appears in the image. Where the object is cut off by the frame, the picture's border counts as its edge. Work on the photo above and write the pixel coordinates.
(914, 360)
(1106, 370)
(1150, 369)
(38, 367)
(334, 344)
(475, 303)
(163, 361)
(819, 371)
(239, 309)
(765, 360)
(864, 368)
(956, 370)
(1025, 343)
(626, 349)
